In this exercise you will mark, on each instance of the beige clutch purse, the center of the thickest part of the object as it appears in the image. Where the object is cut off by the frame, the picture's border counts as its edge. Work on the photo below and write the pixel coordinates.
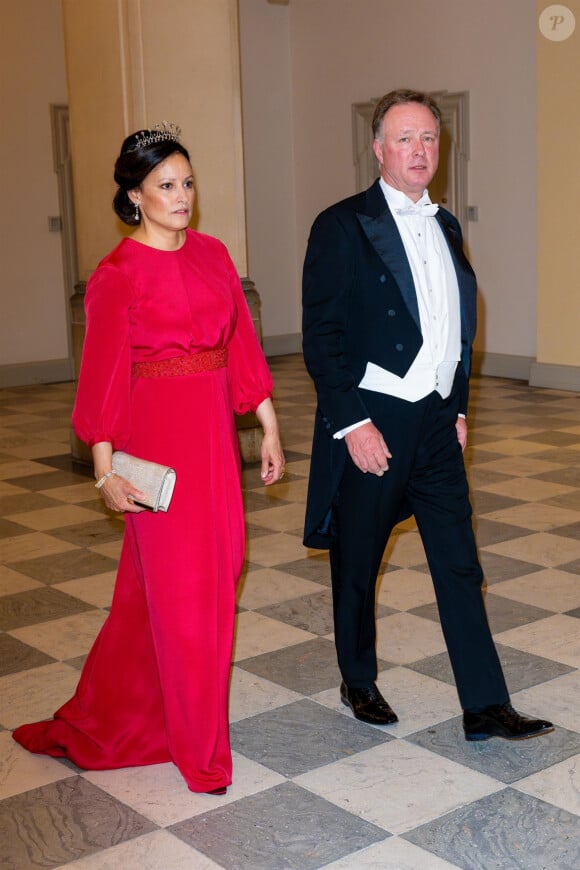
(156, 481)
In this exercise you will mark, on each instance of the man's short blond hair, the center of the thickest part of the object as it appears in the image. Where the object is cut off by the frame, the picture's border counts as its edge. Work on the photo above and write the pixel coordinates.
(398, 98)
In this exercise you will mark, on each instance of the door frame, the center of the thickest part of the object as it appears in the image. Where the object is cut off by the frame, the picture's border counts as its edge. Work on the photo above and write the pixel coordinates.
(62, 162)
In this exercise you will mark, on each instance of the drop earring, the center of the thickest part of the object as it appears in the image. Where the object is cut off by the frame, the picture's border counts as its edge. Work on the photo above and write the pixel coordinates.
(137, 216)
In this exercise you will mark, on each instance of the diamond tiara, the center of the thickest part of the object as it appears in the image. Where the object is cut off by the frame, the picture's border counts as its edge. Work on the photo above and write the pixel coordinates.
(164, 132)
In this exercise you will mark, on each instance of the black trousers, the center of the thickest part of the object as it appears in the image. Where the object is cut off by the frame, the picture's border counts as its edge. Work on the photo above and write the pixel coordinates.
(426, 477)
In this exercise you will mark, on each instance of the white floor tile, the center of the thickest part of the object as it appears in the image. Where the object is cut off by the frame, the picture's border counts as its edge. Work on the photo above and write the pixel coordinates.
(552, 589)
(559, 785)
(265, 586)
(154, 851)
(269, 550)
(555, 638)
(392, 854)
(64, 638)
(22, 771)
(96, 589)
(257, 634)
(540, 549)
(397, 785)
(557, 700)
(251, 695)
(538, 517)
(30, 696)
(405, 589)
(403, 638)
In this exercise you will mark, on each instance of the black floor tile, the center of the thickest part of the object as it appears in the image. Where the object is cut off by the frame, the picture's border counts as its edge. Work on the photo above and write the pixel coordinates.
(294, 739)
(504, 831)
(283, 828)
(63, 822)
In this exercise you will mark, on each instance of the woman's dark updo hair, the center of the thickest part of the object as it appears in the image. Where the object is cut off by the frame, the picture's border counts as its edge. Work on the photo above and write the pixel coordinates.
(134, 164)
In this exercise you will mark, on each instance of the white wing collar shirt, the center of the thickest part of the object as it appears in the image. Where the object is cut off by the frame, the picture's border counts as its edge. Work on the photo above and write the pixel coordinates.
(437, 297)
(438, 300)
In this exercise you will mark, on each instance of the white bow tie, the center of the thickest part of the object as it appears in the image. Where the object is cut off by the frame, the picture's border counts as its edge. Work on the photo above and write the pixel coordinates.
(428, 209)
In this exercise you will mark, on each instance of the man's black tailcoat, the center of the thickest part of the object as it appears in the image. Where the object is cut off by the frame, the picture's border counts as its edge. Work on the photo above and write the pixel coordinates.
(359, 306)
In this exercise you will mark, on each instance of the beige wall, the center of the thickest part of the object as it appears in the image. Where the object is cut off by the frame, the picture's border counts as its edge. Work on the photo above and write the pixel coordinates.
(558, 179)
(302, 66)
(33, 321)
(345, 51)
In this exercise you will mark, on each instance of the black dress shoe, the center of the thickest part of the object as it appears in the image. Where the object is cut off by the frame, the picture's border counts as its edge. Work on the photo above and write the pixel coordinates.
(368, 705)
(501, 720)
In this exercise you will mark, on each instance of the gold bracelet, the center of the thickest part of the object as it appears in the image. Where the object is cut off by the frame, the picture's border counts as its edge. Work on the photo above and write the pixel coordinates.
(104, 479)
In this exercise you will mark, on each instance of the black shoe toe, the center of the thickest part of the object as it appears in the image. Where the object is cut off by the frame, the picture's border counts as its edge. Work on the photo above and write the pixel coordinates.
(501, 720)
(368, 705)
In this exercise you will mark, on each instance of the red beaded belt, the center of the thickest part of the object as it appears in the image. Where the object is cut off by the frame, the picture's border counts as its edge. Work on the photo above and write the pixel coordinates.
(204, 361)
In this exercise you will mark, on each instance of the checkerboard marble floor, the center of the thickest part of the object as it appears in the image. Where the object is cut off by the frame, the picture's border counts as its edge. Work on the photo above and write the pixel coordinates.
(312, 787)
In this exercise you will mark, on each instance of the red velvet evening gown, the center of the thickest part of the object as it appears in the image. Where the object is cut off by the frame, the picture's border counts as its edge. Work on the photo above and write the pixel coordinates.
(155, 685)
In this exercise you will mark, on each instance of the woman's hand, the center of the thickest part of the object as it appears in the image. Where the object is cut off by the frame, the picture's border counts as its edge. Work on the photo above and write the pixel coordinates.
(272, 458)
(120, 495)
(271, 447)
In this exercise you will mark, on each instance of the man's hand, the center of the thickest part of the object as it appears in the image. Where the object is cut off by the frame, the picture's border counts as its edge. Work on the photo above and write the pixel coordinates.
(461, 429)
(368, 449)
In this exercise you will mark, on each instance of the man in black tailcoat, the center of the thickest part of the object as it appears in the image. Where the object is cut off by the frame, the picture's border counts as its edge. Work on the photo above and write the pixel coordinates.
(389, 302)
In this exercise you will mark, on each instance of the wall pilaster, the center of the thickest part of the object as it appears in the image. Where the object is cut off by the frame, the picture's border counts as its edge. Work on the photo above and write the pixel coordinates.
(558, 181)
(133, 63)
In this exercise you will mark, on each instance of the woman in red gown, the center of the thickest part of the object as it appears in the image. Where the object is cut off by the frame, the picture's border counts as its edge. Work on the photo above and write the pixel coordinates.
(170, 354)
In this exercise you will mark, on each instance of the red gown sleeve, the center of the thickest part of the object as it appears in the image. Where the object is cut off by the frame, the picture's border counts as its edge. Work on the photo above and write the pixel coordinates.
(250, 376)
(102, 407)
